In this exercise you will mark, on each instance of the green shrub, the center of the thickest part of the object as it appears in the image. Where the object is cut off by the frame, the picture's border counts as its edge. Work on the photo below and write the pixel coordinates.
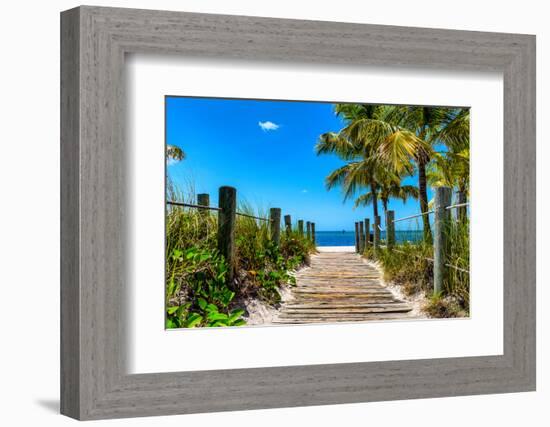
(411, 265)
(197, 292)
(408, 266)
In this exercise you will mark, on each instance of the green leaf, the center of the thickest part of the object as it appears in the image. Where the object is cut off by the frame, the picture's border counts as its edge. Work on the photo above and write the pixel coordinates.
(202, 303)
(176, 253)
(173, 309)
(193, 320)
(171, 287)
(204, 257)
(235, 314)
(239, 322)
(216, 316)
(218, 323)
(212, 308)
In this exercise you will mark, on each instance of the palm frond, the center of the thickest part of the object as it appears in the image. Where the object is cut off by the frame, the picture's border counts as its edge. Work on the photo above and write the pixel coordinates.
(334, 143)
(402, 146)
(364, 200)
(337, 177)
(174, 152)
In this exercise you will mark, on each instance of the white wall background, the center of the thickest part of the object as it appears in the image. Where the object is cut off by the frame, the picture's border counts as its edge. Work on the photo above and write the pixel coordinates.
(29, 212)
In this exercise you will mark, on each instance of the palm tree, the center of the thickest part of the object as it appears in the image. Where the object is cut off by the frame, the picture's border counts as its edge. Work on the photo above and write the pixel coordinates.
(456, 136)
(362, 168)
(354, 175)
(452, 170)
(173, 152)
(389, 189)
(409, 133)
(378, 133)
(176, 154)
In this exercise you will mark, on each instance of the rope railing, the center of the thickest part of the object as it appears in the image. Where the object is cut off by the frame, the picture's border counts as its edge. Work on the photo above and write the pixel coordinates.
(213, 208)
(432, 260)
(253, 217)
(443, 196)
(227, 223)
(458, 268)
(458, 205)
(191, 205)
(414, 216)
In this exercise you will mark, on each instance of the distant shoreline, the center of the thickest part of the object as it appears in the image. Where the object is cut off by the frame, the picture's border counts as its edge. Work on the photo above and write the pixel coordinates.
(347, 238)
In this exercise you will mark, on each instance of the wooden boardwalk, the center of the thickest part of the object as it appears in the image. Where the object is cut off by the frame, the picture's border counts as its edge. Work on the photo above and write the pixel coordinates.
(340, 287)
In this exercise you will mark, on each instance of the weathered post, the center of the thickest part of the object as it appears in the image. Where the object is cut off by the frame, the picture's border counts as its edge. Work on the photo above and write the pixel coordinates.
(313, 233)
(275, 224)
(203, 199)
(462, 210)
(308, 230)
(227, 202)
(288, 224)
(376, 233)
(441, 224)
(367, 232)
(301, 227)
(361, 238)
(390, 229)
(357, 237)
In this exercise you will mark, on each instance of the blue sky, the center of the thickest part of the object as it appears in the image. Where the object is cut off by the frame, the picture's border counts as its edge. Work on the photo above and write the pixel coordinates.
(265, 149)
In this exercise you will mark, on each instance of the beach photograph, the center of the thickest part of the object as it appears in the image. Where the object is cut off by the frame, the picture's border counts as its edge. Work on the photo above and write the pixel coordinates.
(287, 212)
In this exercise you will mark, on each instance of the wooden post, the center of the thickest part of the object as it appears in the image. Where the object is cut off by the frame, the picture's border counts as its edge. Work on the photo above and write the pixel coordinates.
(462, 210)
(313, 233)
(288, 224)
(301, 227)
(361, 238)
(227, 202)
(357, 237)
(308, 230)
(203, 199)
(376, 233)
(275, 223)
(367, 232)
(390, 229)
(441, 224)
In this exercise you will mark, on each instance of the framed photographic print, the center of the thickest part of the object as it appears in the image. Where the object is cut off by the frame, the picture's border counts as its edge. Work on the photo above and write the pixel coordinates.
(303, 212)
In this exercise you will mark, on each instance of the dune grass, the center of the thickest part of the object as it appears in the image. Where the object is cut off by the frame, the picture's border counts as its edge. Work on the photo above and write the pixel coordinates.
(410, 266)
(197, 292)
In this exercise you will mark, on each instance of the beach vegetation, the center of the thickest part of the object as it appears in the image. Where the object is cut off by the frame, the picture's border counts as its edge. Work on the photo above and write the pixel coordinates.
(197, 290)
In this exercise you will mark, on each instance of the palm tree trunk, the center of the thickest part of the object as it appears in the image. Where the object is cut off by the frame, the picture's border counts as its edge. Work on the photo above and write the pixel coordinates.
(423, 196)
(385, 206)
(374, 200)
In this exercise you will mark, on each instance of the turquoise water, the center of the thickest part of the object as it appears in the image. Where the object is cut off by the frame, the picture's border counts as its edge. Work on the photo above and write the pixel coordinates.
(347, 238)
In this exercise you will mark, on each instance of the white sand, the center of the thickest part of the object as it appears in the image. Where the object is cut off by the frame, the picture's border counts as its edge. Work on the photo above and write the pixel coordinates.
(260, 313)
(336, 248)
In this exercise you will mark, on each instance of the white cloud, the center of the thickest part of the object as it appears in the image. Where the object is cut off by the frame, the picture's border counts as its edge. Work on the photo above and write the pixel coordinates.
(267, 126)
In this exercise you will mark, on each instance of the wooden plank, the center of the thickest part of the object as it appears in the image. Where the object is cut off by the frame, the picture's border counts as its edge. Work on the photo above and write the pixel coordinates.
(339, 287)
(341, 305)
(392, 308)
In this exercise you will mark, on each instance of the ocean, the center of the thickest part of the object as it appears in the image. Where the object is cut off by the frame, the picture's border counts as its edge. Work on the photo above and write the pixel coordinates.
(347, 238)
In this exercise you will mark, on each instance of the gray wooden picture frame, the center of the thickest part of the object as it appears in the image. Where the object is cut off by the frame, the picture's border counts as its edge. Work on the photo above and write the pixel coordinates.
(94, 382)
